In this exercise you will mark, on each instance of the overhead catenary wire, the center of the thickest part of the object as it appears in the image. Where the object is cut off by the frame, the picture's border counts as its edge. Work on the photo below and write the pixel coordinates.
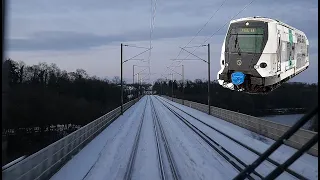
(152, 25)
(152, 20)
(135, 46)
(200, 30)
(137, 55)
(202, 27)
(244, 8)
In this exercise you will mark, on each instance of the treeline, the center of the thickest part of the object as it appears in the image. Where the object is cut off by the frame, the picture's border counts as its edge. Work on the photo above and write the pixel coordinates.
(290, 97)
(42, 96)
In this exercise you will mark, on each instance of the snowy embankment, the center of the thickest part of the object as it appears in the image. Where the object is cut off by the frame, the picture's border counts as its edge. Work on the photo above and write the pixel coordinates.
(306, 165)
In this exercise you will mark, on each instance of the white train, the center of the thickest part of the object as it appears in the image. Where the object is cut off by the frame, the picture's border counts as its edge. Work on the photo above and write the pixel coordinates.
(259, 54)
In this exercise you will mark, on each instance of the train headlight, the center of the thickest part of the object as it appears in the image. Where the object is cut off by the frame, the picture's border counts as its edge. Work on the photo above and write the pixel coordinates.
(256, 66)
(263, 65)
(227, 64)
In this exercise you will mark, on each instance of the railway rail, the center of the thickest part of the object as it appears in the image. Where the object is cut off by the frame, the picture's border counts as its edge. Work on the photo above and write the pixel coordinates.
(130, 165)
(227, 155)
(159, 131)
(276, 164)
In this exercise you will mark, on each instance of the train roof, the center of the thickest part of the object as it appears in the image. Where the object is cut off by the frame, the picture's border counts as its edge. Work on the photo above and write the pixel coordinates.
(266, 19)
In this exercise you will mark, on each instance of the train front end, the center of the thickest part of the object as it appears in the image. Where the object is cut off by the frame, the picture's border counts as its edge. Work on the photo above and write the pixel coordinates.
(241, 51)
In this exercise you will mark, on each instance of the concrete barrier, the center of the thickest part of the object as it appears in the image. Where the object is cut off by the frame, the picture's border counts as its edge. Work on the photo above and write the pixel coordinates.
(261, 126)
(46, 162)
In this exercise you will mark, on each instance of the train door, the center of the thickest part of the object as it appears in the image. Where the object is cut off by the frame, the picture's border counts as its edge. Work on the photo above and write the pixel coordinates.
(284, 50)
(279, 52)
(290, 51)
(300, 50)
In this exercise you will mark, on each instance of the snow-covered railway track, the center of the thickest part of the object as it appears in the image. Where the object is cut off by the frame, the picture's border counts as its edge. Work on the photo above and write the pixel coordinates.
(130, 165)
(248, 148)
(164, 145)
(227, 155)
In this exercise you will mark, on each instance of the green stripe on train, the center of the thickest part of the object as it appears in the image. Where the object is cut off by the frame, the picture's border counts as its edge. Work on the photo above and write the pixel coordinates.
(290, 36)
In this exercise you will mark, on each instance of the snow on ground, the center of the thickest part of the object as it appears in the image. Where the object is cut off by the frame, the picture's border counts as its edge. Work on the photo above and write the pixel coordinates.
(306, 165)
(194, 158)
(245, 155)
(103, 156)
(146, 162)
(106, 156)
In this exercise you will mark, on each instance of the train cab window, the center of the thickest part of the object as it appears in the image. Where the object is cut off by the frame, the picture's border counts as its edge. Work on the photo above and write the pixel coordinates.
(246, 40)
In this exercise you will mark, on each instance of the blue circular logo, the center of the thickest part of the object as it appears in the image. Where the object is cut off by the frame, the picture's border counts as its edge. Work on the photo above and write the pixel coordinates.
(237, 78)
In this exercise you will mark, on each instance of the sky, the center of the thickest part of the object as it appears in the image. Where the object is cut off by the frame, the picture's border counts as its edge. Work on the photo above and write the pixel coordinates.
(82, 34)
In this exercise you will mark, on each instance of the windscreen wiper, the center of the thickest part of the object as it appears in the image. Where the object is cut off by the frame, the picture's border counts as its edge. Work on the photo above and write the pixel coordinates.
(236, 45)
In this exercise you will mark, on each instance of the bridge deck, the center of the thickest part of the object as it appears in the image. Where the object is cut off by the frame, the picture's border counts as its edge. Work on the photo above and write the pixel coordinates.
(107, 156)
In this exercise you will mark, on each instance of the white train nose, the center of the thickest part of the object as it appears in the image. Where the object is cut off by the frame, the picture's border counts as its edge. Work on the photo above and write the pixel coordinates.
(265, 54)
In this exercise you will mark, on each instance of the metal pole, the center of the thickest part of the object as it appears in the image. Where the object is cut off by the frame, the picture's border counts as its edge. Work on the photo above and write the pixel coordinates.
(209, 79)
(182, 85)
(138, 78)
(5, 85)
(138, 84)
(133, 79)
(5, 91)
(121, 83)
(133, 75)
(172, 86)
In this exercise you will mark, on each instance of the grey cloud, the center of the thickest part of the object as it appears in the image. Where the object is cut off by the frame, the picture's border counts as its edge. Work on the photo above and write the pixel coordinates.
(190, 7)
(81, 5)
(68, 40)
(207, 7)
(309, 27)
(55, 41)
(170, 8)
(55, 25)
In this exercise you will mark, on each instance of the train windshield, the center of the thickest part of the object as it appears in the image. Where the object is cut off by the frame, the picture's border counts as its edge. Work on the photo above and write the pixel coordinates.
(246, 40)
